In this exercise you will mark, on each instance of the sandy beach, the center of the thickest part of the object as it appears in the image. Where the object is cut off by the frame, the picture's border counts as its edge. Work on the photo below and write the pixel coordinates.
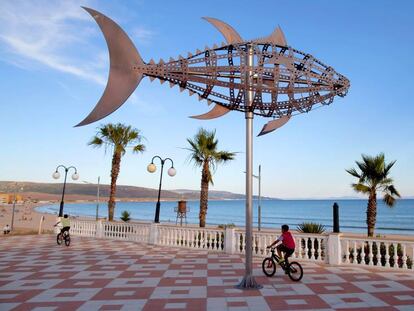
(25, 217)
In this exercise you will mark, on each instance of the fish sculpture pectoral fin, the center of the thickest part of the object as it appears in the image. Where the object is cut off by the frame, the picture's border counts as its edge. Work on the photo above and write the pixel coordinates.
(226, 30)
(123, 79)
(273, 125)
(216, 112)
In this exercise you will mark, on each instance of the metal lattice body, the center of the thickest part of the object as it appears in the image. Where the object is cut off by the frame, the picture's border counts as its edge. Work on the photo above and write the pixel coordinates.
(284, 81)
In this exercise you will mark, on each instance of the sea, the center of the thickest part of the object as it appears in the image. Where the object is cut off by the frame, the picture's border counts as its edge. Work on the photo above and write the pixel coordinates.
(352, 213)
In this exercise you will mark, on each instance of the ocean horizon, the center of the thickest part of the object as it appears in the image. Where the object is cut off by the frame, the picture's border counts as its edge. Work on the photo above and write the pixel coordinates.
(352, 213)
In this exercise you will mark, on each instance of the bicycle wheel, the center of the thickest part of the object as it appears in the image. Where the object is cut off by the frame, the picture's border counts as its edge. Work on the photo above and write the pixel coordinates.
(269, 266)
(295, 271)
(59, 239)
(67, 239)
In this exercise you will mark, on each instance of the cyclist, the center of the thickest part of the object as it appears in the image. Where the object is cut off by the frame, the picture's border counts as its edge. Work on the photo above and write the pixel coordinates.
(287, 246)
(65, 223)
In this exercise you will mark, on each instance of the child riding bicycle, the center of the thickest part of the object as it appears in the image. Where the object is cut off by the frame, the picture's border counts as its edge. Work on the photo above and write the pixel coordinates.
(287, 246)
(65, 223)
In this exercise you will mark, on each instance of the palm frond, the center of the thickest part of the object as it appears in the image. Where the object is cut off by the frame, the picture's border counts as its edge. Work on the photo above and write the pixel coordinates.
(96, 142)
(353, 172)
(203, 147)
(389, 200)
(361, 188)
(391, 189)
(119, 136)
(374, 176)
(138, 148)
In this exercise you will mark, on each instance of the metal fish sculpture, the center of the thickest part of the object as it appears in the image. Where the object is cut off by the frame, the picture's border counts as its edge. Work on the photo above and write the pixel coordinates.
(284, 81)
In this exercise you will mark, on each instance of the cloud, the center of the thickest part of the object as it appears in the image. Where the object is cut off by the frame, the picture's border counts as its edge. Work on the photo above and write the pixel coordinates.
(56, 34)
(142, 35)
(146, 107)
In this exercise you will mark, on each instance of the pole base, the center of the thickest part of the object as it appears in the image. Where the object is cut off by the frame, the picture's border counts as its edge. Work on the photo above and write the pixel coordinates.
(248, 282)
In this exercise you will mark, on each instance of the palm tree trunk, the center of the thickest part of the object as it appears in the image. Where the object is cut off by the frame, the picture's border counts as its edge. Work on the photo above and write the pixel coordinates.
(116, 163)
(371, 213)
(204, 194)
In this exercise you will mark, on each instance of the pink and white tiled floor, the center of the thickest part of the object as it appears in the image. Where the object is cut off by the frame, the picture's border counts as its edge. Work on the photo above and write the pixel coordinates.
(36, 274)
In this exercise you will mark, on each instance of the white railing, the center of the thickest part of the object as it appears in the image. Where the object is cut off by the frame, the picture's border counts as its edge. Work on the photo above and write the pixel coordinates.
(308, 246)
(377, 252)
(198, 238)
(125, 231)
(332, 248)
(83, 228)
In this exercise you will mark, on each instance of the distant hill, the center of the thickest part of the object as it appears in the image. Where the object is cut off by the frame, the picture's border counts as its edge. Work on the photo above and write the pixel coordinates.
(53, 191)
(216, 195)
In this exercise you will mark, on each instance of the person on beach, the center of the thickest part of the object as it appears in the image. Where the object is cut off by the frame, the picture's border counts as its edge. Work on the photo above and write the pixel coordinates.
(65, 223)
(287, 246)
(6, 229)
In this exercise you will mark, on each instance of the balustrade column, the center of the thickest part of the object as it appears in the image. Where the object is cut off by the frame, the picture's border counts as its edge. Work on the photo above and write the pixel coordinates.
(404, 256)
(334, 249)
(387, 255)
(370, 255)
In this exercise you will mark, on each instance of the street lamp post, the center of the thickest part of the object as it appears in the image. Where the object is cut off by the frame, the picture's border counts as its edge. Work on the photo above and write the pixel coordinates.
(14, 206)
(97, 196)
(97, 199)
(171, 171)
(56, 175)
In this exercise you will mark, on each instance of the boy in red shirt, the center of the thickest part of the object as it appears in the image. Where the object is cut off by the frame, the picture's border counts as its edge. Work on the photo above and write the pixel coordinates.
(287, 246)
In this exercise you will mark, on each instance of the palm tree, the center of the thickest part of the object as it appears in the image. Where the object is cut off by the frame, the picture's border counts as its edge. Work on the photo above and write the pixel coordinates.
(204, 154)
(372, 178)
(119, 137)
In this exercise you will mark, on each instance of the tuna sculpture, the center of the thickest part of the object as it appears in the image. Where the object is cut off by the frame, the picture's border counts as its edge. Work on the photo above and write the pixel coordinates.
(284, 81)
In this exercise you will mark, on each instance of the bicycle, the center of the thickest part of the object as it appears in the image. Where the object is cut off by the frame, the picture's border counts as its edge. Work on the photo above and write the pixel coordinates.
(292, 269)
(65, 236)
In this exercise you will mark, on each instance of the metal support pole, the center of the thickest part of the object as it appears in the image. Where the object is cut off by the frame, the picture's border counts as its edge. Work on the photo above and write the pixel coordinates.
(152, 168)
(248, 281)
(158, 207)
(56, 175)
(14, 206)
(97, 199)
(63, 194)
(259, 209)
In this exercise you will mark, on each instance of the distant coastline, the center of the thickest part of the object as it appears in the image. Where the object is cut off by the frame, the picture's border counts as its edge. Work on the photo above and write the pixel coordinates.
(87, 192)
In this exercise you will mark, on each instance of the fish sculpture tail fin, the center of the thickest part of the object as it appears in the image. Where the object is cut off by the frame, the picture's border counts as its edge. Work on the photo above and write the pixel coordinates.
(124, 73)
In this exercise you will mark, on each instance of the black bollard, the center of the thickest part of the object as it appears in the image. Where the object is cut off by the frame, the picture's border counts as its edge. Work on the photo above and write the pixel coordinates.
(335, 217)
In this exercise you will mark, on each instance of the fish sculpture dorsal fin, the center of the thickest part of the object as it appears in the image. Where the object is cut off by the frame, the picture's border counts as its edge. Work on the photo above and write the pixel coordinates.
(276, 37)
(226, 30)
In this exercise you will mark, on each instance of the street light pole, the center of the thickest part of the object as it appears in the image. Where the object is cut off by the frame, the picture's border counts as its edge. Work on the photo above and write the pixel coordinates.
(97, 199)
(14, 205)
(152, 168)
(56, 175)
(97, 195)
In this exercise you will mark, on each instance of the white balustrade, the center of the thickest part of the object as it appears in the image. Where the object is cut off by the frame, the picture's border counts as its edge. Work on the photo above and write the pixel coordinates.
(329, 248)
(378, 252)
(83, 228)
(310, 247)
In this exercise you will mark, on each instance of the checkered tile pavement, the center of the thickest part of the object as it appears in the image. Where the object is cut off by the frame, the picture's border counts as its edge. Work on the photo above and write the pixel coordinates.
(36, 274)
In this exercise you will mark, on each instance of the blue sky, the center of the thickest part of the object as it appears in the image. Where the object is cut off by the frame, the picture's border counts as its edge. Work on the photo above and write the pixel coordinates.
(54, 66)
